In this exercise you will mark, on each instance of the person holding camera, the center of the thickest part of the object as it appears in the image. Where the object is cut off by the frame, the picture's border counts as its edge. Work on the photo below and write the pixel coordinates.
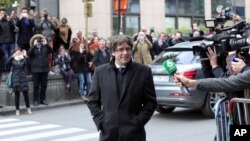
(63, 60)
(26, 24)
(19, 63)
(38, 54)
(176, 38)
(7, 37)
(83, 62)
(160, 44)
(63, 35)
(141, 49)
(47, 29)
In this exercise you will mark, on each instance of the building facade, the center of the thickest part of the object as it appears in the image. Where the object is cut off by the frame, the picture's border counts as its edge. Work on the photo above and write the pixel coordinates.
(161, 15)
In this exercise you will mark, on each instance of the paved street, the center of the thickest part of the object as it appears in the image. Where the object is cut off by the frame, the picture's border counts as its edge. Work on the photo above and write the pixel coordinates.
(74, 123)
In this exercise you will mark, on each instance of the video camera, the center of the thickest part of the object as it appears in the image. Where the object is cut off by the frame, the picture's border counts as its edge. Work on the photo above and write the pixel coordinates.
(223, 15)
(224, 39)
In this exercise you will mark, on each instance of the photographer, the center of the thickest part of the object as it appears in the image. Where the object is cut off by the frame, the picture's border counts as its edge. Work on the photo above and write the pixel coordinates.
(38, 54)
(26, 25)
(47, 29)
(141, 48)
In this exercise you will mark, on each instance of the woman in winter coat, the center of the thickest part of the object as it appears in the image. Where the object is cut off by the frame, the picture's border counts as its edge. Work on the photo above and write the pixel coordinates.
(83, 59)
(19, 62)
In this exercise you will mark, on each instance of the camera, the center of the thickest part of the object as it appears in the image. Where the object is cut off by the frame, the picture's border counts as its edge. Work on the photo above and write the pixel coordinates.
(223, 15)
(224, 40)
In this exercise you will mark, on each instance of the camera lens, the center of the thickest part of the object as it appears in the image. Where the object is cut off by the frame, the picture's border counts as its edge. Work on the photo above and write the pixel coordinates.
(238, 43)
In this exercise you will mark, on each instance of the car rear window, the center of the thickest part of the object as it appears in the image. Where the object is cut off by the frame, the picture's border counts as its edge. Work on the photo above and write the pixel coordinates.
(179, 57)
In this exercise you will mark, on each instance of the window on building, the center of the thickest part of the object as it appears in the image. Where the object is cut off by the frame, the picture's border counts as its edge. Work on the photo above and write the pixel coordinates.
(185, 7)
(132, 17)
(170, 7)
(198, 7)
(130, 21)
(216, 3)
(133, 6)
(236, 6)
(180, 14)
(182, 23)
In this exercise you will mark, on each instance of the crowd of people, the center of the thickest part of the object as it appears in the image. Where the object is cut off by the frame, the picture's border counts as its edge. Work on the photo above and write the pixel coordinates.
(48, 47)
(45, 46)
(41, 45)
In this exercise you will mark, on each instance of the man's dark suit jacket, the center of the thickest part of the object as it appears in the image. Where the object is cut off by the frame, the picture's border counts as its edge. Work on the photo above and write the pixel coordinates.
(122, 117)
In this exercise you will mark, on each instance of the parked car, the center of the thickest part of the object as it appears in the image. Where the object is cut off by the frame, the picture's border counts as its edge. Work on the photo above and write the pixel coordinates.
(170, 96)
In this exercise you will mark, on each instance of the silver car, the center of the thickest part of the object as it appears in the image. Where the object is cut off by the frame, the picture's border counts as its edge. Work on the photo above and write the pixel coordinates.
(168, 94)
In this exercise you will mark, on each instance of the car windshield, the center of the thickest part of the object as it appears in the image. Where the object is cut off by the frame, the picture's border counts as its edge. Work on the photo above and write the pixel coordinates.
(179, 57)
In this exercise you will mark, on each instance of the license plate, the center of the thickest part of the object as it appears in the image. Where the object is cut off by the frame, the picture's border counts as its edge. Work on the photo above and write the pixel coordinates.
(159, 78)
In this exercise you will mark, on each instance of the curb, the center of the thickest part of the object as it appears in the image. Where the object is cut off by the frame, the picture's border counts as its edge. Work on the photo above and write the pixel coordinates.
(10, 110)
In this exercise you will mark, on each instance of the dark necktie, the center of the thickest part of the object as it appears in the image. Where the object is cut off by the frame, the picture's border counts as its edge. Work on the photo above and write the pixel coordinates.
(121, 70)
(104, 53)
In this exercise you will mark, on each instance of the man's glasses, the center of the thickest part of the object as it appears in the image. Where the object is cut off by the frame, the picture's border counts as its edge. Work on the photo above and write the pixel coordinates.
(121, 50)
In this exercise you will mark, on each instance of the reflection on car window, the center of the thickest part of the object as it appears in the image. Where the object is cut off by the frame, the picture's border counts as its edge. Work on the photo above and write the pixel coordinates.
(180, 57)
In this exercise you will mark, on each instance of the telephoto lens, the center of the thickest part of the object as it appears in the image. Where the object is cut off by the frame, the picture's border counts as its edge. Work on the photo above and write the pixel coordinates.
(238, 43)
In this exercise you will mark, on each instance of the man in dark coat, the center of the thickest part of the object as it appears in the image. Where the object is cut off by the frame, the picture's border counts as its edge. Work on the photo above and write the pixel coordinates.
(38, 54)
(26, 24)
(7, 37)
(122, 98)
(160, 45)
(102, 55)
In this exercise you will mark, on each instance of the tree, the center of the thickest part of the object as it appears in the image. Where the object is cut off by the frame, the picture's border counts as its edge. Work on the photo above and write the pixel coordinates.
(7, 3)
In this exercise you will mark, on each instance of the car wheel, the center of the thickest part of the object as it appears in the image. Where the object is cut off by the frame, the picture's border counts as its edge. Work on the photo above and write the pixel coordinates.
(164, 109)
(211, 99)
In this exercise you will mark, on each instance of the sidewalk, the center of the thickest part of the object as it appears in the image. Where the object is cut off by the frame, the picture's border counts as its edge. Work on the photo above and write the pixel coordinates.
(10, 110)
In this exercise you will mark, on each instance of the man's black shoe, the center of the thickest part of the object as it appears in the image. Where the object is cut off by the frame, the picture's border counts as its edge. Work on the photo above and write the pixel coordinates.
(44, 102)
(35, 103)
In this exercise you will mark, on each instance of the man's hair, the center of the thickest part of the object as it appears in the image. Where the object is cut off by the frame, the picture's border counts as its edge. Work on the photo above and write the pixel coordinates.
(25, 8)
(3, 9)
(119, 39)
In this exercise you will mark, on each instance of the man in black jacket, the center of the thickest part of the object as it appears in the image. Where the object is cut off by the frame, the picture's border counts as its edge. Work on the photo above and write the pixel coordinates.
(7, 37)
(39, 67)
(25, 24)
(122, 98)
(160, 44)
(102, 55)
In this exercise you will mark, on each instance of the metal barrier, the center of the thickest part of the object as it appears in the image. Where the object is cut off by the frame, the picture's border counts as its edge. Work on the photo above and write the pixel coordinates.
(245, 119)
(220, 111)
